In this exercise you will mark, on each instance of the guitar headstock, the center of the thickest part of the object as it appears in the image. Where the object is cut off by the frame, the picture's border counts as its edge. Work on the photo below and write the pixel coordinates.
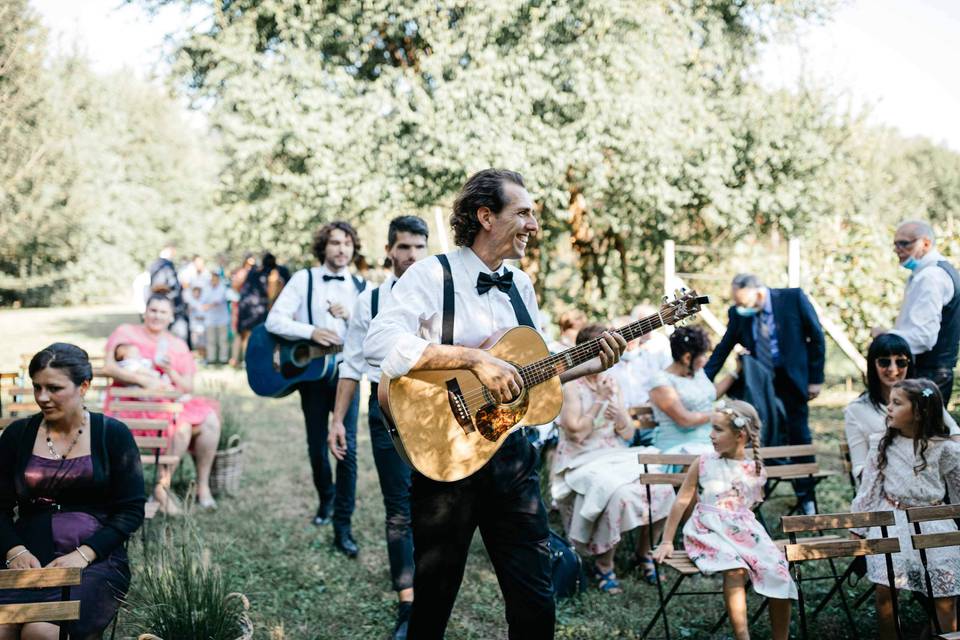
(684, 304)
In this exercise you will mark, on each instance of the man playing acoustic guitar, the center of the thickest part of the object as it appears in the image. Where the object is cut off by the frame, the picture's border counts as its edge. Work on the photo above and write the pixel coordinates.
(492, 221)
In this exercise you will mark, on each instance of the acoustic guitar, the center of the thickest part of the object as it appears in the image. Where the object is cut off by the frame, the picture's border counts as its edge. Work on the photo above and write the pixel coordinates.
(446, 424)
(275, 365)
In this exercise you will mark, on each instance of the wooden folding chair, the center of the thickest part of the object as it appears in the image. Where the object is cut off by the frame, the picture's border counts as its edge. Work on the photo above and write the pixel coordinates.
(848, 465)
(798, 552)
(778, 472)
(62, 611)
(923, 541)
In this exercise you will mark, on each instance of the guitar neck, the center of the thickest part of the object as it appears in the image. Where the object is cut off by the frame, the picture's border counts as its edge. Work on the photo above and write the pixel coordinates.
(554, 365)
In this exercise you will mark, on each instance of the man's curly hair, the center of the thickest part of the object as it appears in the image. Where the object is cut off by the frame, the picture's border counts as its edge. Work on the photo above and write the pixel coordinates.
(483, 189)
(323, 235)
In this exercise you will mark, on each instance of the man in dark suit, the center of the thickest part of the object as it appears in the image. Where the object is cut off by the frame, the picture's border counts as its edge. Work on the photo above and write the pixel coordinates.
(780, 328)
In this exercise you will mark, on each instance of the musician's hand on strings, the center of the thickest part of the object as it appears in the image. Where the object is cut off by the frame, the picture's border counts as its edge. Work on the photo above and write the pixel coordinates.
(612, 346)
(501, 378)
(338, 310)
(337, 439)
(325, 337)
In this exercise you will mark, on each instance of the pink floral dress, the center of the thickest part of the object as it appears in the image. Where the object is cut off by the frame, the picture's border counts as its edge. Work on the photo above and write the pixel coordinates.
(723, 533)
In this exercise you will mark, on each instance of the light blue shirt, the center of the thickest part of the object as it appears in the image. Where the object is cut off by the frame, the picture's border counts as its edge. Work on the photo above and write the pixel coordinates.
(696, 394)
(766, 316)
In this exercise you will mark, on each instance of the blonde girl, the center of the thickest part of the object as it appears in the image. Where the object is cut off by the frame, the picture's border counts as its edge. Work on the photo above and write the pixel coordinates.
(723, 534)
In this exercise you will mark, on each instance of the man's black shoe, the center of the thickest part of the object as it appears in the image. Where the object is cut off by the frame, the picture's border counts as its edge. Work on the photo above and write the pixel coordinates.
(324, 515)
(403, 621)
(344, 542)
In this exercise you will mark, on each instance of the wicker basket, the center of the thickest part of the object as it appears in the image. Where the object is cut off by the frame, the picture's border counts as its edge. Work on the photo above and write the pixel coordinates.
(246, 625)
(227, 468)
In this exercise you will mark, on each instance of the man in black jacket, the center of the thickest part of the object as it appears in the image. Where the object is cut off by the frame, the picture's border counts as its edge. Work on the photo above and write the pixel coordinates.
(780, 328)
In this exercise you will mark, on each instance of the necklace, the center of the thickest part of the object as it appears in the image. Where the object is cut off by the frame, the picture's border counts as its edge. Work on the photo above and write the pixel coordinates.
(53, 452)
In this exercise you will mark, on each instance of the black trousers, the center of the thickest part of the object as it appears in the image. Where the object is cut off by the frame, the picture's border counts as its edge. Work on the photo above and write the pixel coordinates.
(943, 378)
(394, 475)
(317, 400)
(503, 500)
(797, 425)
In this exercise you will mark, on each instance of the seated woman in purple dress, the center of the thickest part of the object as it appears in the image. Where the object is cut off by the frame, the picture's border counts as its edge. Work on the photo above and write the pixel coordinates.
(76, 482)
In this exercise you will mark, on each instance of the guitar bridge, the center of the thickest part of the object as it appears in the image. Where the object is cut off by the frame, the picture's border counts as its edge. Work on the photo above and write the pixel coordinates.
(459, 406)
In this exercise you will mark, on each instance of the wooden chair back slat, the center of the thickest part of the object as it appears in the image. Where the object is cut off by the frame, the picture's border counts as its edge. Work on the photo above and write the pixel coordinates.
(147, 459)
(787, 451)
(140, 393)
(842, 549)
(928, 514)
(39, 612)
(151, 407)
(665, 458)
(21, 407)
(792, 470)
(39, 578)
(151, 442)
(935, 540)
(674, 479)
(797, 524)
(146, 424)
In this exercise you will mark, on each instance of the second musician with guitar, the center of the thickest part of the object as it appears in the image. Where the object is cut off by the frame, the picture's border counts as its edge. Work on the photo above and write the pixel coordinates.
(492, 221)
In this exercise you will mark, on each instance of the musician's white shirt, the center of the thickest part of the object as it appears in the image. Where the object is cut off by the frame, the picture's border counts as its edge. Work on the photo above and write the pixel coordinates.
(288, 317)
(354, 365)
(398, 336)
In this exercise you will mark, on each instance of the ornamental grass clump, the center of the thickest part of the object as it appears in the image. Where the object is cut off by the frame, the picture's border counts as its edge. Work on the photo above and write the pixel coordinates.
(178, 593)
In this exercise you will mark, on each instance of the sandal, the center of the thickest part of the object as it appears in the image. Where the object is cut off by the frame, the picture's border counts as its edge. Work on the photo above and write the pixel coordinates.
(607, 581)
(648, 569)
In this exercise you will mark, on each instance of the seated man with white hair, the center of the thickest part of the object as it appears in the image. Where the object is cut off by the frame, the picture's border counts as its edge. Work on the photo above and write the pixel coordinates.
(929, 318)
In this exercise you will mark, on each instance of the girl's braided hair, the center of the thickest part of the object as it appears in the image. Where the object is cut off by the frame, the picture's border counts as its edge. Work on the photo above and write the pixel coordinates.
(741, 416)
(927, 405)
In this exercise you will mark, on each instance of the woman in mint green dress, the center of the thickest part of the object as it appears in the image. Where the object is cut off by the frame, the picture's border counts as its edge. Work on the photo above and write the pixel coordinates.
(682, 396)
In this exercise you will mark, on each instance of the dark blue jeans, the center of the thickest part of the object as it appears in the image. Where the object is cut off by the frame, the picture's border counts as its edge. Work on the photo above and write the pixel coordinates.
(394, 475)
(317, 400)
(943, 378)
(502, 499)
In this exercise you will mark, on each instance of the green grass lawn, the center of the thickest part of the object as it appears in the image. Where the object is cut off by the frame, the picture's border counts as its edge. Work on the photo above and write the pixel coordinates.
(300, 588)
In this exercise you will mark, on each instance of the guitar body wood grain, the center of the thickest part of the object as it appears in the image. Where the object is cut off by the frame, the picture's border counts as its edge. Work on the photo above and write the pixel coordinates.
(420, 407)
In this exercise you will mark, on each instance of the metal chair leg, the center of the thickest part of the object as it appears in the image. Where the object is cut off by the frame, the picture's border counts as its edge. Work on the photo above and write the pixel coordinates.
(663, 609)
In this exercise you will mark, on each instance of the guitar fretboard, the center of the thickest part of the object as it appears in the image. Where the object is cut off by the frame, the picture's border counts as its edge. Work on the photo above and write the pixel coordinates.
(542, 370)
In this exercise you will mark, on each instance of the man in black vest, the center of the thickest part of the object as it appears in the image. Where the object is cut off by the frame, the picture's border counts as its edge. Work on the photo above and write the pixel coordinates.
(781, 330)
(451, 305)
(929, 319)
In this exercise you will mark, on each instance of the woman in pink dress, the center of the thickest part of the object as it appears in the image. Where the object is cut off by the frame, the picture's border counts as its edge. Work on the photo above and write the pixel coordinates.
(197, 427)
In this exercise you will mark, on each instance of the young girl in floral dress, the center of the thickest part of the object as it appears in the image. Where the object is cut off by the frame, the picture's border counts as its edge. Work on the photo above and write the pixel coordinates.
(723, 534)
(915, 465)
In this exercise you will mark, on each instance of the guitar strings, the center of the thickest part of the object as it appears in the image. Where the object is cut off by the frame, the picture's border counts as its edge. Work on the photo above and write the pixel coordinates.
(546, 368)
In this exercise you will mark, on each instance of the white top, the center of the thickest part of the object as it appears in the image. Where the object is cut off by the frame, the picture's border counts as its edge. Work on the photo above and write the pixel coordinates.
(928, 290)
(354, 365)
(399, 335)
(864, 425)
(288, 316)
(634, 373)
(901, 483)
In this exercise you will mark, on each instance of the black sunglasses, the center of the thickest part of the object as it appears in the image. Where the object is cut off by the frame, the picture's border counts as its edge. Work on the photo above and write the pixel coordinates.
(902, 363)
(903, 244)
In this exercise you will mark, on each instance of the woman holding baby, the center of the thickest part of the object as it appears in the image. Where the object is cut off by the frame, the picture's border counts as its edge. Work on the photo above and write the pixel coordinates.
(149, 356)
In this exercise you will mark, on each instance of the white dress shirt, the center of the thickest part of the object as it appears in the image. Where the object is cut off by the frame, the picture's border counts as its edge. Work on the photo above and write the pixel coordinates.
(636, 368)
(928, 290)
(864, 425)
(398, 335)
(354, 365)
(288, 317)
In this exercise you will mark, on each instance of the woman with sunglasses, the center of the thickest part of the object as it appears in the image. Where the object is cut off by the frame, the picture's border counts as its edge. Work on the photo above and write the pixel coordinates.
(889, 361)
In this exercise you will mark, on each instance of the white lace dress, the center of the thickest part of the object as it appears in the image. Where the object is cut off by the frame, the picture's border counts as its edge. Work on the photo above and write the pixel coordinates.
(901, 485)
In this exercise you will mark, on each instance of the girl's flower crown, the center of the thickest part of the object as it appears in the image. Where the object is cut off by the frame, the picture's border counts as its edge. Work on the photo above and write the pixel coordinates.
(739, 421)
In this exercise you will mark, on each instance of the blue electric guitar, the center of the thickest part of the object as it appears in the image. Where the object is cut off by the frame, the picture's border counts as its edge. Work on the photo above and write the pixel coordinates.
(275, 366)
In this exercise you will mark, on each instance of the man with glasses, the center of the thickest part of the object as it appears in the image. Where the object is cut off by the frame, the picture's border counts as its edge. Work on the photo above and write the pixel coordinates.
(929, 318)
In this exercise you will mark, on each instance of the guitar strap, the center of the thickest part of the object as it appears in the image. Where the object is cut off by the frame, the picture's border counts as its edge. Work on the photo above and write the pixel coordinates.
(374, 302)
(446, 332)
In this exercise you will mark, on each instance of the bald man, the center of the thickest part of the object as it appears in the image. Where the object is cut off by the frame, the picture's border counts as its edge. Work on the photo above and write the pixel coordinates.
(929, 318)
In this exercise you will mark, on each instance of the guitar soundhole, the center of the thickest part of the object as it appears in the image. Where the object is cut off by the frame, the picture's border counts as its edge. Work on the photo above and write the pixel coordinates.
(494, 420)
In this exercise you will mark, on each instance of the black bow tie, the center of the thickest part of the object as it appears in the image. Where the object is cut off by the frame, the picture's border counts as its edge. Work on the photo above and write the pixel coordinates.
(327, 278)
(485, 282)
